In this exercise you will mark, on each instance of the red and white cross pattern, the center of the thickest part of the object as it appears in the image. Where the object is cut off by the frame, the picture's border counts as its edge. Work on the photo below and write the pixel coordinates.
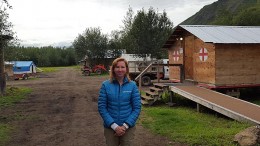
(203, 54)
(176, 55)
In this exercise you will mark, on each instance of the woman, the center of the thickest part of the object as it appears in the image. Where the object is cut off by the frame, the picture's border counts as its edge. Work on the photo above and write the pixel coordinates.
(119, 105)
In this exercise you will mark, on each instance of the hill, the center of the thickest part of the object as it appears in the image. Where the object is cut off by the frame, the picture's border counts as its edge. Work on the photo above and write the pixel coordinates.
(228, 12)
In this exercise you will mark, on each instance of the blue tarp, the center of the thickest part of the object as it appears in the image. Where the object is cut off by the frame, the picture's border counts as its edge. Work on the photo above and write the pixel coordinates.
(21, 66)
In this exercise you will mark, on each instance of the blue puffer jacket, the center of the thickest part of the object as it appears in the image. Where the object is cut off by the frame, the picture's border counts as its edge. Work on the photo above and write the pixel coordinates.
(119, 104)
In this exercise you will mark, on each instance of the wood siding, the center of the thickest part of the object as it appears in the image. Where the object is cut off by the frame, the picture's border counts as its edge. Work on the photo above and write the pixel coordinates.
(174, 71)
(194, 68)
(204, 71)
(188, 57)
(216, 64)
(237, 64)
(9, 70)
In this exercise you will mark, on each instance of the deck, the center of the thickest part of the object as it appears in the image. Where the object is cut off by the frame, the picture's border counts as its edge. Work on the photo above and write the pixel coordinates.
(229, 106)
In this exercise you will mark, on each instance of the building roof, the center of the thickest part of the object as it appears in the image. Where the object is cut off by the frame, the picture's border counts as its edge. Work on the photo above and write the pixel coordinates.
(22, 63)
(8, 63)
(218, 34)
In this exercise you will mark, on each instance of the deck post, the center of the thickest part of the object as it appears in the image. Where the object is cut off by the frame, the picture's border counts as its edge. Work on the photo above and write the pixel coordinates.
(198, 107)
(170, 103)
(181, 73)
(158, 73)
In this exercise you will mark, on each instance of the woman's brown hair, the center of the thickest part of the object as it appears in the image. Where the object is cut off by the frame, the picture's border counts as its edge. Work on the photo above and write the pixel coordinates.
(112, 73)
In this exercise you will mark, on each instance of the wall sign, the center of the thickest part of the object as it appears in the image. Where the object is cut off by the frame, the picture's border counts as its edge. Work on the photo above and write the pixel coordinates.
(176, 55)
(203, 54)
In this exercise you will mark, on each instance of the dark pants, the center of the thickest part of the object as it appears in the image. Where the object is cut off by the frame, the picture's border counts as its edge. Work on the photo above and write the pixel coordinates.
(126, 140)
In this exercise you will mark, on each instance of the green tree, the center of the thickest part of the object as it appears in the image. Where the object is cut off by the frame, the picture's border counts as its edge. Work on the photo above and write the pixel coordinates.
(43, 59)
(248, 17)
(147, 33)
(223, 17)
(6, 34)
(44, 56)
(69, 56)
(5, 25)
(92, 44)
(115, 45)
(127, 40)
(128, 20)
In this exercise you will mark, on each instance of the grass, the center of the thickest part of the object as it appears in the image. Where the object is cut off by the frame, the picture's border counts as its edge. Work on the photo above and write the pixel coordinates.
(187, 126)
(50, 69)
(184, 124)
(5, 131)
(76, 67)
(13, 95)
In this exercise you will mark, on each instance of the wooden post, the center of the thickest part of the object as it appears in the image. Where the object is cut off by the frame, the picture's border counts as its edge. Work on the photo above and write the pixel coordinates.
(3, 39)
(158, 73)
(171, 99)
(198, 107)
(2, 70)
(140, 83)
(181, 73)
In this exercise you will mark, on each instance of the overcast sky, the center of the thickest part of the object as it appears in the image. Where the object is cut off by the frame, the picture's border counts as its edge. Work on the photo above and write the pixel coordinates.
(49, 22)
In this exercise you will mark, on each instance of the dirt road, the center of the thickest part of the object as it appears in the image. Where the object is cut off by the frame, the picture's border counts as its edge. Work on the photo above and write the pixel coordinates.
(62, 111)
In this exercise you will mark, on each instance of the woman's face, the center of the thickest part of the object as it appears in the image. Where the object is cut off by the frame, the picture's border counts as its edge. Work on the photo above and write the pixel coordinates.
(120, 69)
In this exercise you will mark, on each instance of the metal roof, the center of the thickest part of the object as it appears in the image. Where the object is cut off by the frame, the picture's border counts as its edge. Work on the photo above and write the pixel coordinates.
(22, 63)
(225, 34)
(217, 34)
(7, 63)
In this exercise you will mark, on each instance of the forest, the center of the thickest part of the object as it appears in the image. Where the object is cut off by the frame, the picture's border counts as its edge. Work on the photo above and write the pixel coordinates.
(42, 56)
(228, 12)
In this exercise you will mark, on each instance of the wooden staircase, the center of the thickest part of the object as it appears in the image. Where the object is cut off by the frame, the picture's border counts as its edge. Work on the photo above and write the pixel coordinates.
(153, 94)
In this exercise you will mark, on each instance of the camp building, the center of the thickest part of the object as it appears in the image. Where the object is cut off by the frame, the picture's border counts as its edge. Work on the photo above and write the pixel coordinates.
(215, 56)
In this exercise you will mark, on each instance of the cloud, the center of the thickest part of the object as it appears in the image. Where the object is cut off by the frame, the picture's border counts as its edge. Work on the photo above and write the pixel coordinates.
(52, 21)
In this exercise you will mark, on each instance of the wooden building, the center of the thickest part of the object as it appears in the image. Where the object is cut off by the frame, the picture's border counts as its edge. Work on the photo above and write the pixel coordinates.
(216, 56)
(9, 73)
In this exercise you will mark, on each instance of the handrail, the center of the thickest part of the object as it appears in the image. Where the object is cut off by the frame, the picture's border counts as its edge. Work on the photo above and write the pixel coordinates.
(144, 71)
(159, 64)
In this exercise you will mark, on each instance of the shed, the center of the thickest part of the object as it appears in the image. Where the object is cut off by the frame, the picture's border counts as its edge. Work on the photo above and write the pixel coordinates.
(24, 67)
(216, 56)
(9, 73)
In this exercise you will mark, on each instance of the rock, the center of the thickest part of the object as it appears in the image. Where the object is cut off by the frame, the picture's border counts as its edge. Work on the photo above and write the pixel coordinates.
(248, 137)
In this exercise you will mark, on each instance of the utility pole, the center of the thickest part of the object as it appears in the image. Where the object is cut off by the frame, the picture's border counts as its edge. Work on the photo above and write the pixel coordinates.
(3, 41)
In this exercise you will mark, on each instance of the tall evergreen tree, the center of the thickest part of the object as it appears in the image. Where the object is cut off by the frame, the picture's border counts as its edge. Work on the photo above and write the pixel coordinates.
(146, 33)
(115, 45)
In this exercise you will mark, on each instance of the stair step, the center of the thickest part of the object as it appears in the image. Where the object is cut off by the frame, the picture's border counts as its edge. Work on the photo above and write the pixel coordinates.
(151, 93)
(144, 102)
(161, 86)
(147, 97)
(155, 89)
